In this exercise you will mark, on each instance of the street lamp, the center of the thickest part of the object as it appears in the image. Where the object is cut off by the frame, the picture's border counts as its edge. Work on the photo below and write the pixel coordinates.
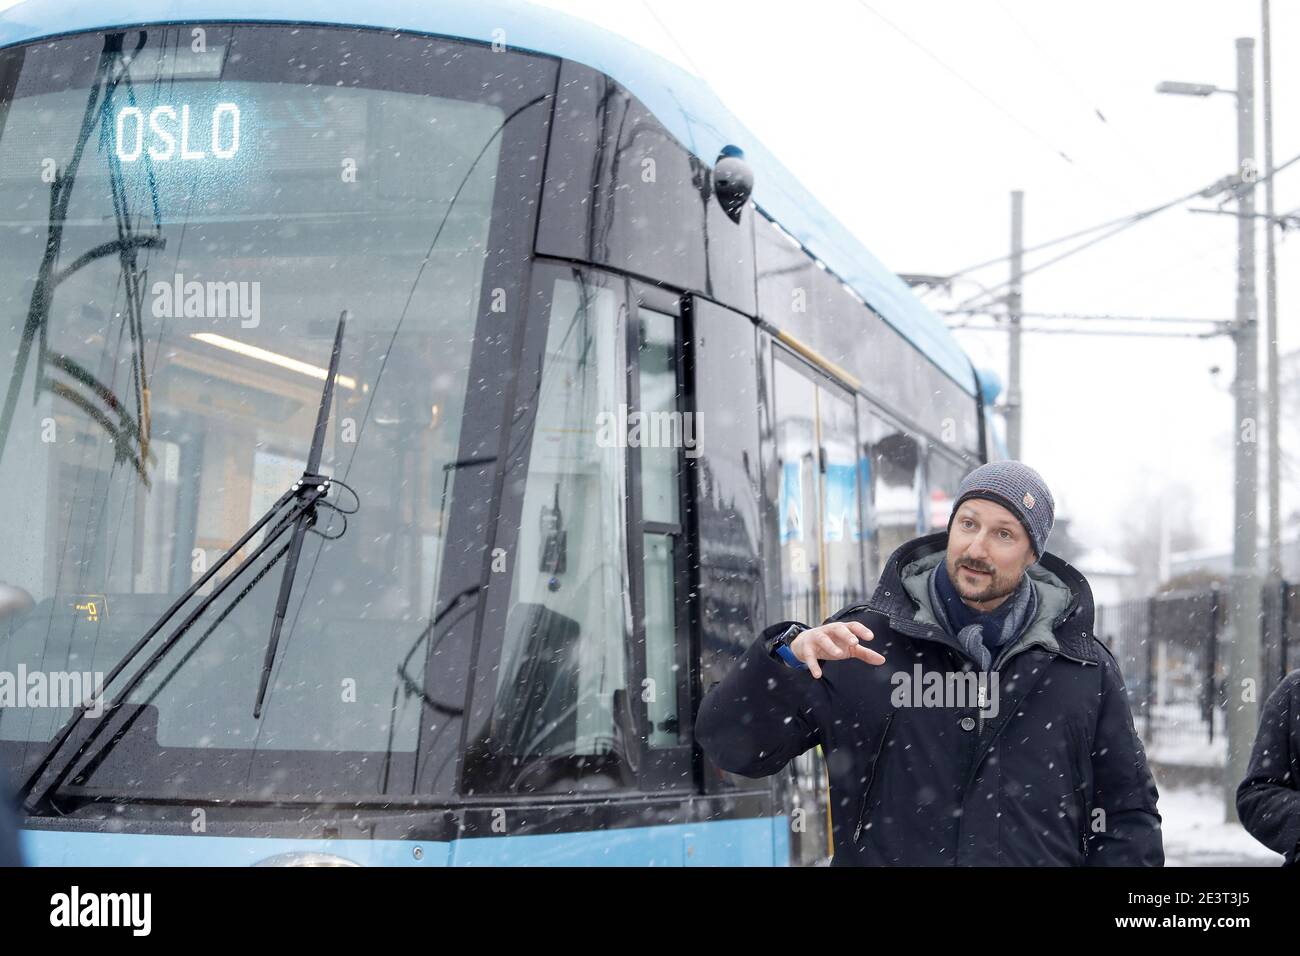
(1190, 89)
(1243, 658)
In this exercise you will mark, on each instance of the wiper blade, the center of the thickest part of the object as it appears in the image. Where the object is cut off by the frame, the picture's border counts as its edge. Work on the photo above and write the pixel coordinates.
(295, 509)
(304, 518)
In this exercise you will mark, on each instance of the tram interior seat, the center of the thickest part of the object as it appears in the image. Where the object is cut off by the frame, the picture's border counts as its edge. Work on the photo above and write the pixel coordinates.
(536, 710)
(532, 740)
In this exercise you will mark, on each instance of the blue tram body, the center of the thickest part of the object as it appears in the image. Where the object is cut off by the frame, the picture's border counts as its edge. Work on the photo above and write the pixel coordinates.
(600, 428)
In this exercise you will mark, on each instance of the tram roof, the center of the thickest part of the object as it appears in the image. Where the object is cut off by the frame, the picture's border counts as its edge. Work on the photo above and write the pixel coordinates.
(685, 104)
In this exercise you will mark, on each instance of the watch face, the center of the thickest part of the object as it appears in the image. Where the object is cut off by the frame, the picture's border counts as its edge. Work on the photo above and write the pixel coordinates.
(785, 637)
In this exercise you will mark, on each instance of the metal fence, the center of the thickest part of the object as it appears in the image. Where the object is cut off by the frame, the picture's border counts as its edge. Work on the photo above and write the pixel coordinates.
(1169, 650)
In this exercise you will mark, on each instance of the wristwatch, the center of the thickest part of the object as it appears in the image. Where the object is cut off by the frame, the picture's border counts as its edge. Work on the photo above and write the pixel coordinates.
(779, 646)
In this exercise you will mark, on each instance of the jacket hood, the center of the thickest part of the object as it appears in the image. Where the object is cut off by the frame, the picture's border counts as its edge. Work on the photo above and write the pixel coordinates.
(1062, 625)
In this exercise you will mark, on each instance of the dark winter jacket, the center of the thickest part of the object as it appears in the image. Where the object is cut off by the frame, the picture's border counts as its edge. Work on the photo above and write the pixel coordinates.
(1268, 800)
(1051, 773)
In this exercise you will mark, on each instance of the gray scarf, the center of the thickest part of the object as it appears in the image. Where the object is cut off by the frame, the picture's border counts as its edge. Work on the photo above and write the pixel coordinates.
(1024, 607)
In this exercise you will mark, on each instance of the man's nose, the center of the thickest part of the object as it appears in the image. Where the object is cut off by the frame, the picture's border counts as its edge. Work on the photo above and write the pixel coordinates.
(978, 551)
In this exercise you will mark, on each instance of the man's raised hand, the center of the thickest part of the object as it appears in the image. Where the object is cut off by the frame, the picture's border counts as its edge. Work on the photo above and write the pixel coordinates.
(833, 642)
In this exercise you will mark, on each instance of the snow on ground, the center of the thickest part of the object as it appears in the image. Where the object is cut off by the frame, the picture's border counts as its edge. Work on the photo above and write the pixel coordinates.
(1188, 751)
(1176, 734)
(1195, 834)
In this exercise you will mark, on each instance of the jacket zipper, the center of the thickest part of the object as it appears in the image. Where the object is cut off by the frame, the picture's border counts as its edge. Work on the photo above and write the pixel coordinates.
(871, 781)
(1079, 776)
(1083, 834)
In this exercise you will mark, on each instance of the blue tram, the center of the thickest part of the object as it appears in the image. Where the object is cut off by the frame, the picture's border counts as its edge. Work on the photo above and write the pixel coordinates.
(409, 413)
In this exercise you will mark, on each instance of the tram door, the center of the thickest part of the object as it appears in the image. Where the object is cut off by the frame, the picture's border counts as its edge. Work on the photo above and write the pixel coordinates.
(821, 546)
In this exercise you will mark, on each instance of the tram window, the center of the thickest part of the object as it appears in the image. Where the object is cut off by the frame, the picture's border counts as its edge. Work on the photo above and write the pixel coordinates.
(664, 433)
(818, 498)
(841, 517)
(663, 430)
(943, 475)
(896, 493)
(661, 641)
(564, 657)
(799, 507)
(167, 396)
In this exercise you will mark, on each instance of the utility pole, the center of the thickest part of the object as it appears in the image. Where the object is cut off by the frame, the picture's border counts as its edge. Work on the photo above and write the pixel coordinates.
(1243, 658)
(1014, 306)
(1270, 339)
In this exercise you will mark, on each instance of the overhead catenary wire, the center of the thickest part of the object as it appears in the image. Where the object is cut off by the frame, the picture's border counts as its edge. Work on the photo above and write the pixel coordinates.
(673, 38)
(1102, 317)
(1042, 52)
(1083, 96)
(1129, 220)
(1108, 185)
(1064, 255)
(1015, 119)
(1073, 235)
(1107, 332)
(967, 83)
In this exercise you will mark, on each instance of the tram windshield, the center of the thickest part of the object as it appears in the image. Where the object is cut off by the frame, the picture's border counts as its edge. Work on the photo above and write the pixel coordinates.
(184, 212)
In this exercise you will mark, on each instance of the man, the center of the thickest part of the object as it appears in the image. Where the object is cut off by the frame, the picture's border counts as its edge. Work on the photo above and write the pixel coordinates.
(985, 726)
(1268, 800)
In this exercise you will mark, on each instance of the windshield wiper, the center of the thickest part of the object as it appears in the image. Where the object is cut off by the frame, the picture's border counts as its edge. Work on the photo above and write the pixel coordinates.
(304, 518)
(296, 509)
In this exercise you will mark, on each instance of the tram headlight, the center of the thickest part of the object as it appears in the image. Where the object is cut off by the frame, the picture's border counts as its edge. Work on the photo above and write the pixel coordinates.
(306, 859)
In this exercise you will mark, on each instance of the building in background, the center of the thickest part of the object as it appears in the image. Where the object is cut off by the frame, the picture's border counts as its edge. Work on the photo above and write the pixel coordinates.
(1111, 577)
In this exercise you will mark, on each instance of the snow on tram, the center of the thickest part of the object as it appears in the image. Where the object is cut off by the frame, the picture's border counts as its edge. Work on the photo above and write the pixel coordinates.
(409, 413)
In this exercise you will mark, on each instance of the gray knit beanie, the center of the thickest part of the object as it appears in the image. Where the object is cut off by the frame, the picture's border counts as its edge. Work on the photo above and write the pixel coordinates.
(1019, 489)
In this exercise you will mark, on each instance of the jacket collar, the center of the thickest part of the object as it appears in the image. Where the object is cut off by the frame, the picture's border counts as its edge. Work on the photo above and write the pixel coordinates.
(1065, 615)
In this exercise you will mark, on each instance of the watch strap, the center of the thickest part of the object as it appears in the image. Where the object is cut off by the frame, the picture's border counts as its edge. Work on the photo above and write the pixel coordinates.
(780, 647)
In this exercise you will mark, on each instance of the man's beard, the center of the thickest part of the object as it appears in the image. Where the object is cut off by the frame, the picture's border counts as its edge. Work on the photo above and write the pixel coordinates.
(990, 588)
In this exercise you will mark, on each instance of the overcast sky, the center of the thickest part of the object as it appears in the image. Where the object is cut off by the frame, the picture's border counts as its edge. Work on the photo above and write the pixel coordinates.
(945, 106)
